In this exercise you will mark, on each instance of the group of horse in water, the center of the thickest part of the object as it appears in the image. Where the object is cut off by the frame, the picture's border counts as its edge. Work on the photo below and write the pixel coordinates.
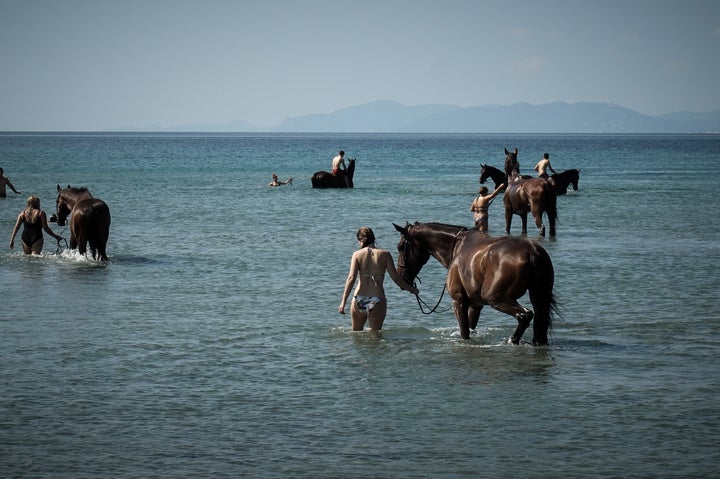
(485, 270)
(495, 271)
(482, 270)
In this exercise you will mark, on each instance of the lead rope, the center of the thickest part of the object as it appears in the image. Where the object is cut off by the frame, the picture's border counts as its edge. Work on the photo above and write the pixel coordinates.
(434, 308)
(60, 249)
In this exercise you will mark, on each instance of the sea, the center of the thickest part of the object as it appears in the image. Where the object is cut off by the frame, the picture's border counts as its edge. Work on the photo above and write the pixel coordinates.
(210, 344)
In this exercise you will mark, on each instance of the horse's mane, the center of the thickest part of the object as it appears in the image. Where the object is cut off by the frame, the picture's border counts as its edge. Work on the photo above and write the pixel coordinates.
(77, 189)
(445, 226)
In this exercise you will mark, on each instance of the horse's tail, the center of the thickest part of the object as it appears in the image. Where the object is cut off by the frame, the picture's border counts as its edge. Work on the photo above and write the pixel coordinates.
(541, 294)
(99, 230)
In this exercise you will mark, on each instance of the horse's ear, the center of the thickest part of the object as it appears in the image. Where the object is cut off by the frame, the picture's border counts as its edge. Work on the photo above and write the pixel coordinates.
(516, 151)
(59, 189)
(507, 152)
(401, 230)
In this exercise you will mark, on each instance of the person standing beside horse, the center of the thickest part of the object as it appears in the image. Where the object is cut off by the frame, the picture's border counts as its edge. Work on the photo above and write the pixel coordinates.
(35, 221)
(543, 165)
(5, 181)
(369, 265)
(480, 207)
(338, 161)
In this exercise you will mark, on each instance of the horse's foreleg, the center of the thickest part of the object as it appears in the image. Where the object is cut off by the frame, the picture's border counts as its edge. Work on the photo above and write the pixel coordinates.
(461, 313)
(508, 220)
(523, 217)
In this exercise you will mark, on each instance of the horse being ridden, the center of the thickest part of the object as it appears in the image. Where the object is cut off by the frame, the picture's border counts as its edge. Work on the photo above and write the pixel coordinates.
(325, 179)
(561, 181)
(531, 195)
(89, 220)
(483, 270)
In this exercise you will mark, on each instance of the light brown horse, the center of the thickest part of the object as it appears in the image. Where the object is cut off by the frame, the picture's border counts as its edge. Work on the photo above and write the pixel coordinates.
(533, 195)
(483, 270)
(89, 220)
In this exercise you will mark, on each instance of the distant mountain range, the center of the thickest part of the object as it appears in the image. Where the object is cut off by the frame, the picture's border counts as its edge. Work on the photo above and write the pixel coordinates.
(558, 117)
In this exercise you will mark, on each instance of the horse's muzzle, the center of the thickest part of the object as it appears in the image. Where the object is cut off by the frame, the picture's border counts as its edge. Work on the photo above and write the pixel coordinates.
(53, 218)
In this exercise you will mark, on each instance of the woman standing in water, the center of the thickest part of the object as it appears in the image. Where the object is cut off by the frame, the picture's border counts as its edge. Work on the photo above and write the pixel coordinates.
(369, 265)
(34, 221)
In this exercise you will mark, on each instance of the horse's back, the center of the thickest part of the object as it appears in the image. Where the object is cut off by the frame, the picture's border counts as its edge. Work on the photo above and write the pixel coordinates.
(320, 179)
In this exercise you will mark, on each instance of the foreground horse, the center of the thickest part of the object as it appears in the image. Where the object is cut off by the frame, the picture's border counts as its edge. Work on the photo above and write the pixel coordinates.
(325, 179)
(89, 220)
(483, 270)
(561, 181)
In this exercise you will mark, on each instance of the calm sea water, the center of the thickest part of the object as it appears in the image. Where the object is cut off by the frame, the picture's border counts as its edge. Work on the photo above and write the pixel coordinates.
(210, 345)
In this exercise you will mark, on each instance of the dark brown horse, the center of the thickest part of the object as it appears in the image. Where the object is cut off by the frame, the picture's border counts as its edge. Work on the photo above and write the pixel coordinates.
(483, 270)
(89, 220)
(325, 179)
(561, 181)
(533, 195)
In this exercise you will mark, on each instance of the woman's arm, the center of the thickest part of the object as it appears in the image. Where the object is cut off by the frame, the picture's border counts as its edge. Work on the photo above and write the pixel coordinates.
(46, 227)
(19, 221)
(349, 283)
(395, 276)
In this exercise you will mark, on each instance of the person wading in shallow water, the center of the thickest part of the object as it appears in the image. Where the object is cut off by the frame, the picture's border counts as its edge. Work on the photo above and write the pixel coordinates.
(480, 207)
(34, 221)
(369, 265)
(5, 181)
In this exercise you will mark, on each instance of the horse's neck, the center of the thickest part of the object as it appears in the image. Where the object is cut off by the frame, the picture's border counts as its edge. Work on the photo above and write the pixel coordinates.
(441, 245)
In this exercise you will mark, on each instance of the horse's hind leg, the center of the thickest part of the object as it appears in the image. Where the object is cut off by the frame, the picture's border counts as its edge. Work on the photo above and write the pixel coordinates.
(521, 314)
(537, 215)
(508, 220)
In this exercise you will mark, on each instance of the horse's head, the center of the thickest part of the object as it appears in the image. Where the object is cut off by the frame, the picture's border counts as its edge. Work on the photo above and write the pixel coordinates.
(66, 199)
(484, 173)
(411, 256)
(512, 167)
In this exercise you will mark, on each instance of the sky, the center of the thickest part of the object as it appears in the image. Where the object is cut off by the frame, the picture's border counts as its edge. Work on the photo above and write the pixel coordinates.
(93, 65)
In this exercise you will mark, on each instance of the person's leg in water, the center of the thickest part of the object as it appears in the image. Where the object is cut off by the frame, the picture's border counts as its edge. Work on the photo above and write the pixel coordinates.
(35, 248)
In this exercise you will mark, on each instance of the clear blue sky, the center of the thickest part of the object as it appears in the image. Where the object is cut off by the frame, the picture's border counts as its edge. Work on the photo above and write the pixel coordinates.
(99, 64)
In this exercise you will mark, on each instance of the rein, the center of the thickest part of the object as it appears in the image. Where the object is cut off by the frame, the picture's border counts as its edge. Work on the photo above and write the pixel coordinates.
(420, 301)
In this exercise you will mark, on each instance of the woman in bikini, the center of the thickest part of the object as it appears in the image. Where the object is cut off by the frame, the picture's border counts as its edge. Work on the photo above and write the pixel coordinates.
(34, 221)
(368, 265)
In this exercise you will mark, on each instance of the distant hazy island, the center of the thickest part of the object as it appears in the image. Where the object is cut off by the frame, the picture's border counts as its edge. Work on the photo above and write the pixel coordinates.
(558, 117)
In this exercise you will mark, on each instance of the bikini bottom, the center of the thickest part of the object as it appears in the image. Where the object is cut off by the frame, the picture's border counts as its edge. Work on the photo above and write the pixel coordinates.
(366, 303)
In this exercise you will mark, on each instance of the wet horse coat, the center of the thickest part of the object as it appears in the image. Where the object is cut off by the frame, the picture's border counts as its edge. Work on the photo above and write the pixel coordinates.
(89, 220)
(483, 270)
